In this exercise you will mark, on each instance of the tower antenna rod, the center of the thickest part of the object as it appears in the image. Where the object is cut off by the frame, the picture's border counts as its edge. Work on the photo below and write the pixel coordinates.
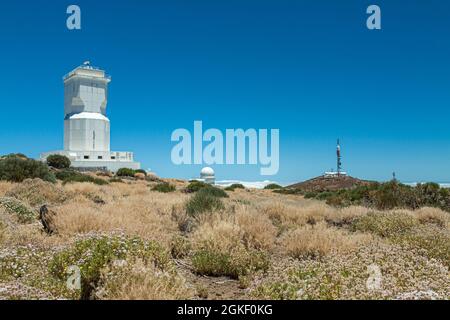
(338, 154)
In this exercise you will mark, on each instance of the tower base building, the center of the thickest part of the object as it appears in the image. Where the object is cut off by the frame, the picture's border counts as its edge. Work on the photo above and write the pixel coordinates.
(97, 161)
(86, 126)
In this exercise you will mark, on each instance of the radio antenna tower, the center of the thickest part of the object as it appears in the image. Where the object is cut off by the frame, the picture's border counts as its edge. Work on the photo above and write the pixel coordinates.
(338, 154)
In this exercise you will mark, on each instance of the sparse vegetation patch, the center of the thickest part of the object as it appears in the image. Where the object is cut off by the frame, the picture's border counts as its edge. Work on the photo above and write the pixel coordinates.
(164, 187)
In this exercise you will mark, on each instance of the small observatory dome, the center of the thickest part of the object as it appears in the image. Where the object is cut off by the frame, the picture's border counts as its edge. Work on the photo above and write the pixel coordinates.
(207, 175)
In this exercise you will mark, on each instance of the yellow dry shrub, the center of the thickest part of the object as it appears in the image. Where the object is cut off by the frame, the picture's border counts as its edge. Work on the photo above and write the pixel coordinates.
(290, 215)
(220, 250)
(140, 281)
(220, 235)
(146, 216)
(257, 230)
(346, 215)
(5, 187)
(319, 240)
(36, 192)
(87, 189)
(434, 216)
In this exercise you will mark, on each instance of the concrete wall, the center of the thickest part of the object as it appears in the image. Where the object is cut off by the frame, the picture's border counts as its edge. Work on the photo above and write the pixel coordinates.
(110, 165)
(86, 135)
(111, 160)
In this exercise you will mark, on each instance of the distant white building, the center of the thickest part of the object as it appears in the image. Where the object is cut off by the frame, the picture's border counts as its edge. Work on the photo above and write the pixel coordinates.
(334, 174)
(207, 175)
(86, 126)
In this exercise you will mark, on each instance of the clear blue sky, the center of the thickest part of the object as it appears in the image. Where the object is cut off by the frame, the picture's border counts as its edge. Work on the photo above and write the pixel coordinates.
(310, 68)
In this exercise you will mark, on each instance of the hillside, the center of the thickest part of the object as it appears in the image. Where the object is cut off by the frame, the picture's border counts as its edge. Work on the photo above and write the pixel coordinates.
(323, 183)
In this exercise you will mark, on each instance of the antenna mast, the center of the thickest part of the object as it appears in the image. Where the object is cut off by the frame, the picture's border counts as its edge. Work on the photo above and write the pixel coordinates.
(338, 154)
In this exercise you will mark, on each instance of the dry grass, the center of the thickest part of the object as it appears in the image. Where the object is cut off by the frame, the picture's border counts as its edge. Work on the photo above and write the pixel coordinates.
(245, 240)
(288, 215)
(148, 216)
(257, 230)
(5, 187)
(245, 226)
(36, 192)
(345, 216)
(320, 240)
(140, 281)
(219, 235)
(434, 216)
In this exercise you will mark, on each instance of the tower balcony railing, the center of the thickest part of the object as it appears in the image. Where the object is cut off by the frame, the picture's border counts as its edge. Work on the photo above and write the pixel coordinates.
(87, 67)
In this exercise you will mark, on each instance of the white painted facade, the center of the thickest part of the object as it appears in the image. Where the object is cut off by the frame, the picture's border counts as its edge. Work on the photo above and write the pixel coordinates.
(86, 125)
(207, 175)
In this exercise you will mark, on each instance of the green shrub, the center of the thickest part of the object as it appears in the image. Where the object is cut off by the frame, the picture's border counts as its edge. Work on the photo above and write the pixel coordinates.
(203, 202)
(180, 247)
(237, 263)
(116, 180)
(68, 176)
(94, 254)
(125, 172)
(387, 196)
(385, 224)
(234, 186)
(214, 191)
(58, 161)
(288, 191)
(164, 187)
(195, 186)
(16, 169)
(310, 195)
(273, 186)
(15, 207)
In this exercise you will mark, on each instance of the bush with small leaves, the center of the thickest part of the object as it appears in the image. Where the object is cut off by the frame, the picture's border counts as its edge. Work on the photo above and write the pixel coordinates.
(93, 254)
(234, 186)
(195, 186)
(203, 202)
(68, 176)
(164, 187)
(387, 196)
(125, 172)
(17, 169)
(235, 264)
(385, 224)
(179, 247)
(23, 213)
(214, 191)
(58, 161)
(273, 186)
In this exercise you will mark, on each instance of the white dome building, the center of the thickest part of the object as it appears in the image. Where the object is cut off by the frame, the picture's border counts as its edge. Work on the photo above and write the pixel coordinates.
(207, 175)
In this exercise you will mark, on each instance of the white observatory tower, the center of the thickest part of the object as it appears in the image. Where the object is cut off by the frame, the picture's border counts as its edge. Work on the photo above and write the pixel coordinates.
(86, 126)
